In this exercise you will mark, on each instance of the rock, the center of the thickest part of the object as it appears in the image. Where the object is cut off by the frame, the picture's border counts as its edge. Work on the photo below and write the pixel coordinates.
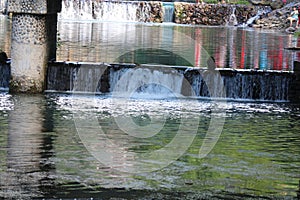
(276, 4)
(213, 14)
(290, 30)
(261, 2)
(276, 19)
(154, 8)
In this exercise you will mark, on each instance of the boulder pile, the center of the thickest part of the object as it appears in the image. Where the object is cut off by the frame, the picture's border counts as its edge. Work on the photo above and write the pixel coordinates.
(213, 14)
(276, 19)
(265, 14)
(150, 11)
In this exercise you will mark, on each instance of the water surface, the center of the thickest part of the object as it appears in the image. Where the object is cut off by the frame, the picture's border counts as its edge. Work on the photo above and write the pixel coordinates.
(43, 153)
(234, 47)
(167, 43)
(43, 145)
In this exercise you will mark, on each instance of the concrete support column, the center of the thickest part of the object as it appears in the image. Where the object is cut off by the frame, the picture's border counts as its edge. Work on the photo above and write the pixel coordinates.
(34, 30)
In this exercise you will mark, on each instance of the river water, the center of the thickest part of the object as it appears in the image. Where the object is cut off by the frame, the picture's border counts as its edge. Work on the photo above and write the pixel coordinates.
(152, 146)
(72, 146)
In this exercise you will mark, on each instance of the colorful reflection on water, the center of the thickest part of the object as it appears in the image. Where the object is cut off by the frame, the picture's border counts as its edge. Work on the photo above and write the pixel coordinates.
(232, 47)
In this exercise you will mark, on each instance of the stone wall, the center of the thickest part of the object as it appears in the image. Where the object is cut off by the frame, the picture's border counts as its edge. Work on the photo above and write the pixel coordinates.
(150, 11)
(277, 19)
(213, 14)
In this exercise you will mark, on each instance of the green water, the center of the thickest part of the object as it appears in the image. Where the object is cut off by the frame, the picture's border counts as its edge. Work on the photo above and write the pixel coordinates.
(43, 151)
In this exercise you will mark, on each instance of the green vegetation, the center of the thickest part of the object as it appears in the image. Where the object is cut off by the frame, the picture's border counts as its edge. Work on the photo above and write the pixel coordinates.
(245, 2)
(297, 34)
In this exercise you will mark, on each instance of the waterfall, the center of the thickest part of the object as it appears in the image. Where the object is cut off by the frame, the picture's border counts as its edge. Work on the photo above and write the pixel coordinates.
(243, 84)
(146, 82)
(263, 11)
(153, 81)
(232, 21)
(99, 10)
(4, 76)
(168, 11)
(258, 85)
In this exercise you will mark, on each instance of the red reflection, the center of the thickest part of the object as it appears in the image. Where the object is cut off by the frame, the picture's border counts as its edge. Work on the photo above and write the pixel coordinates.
(220, 53)
(198, 45)
(276, 55)
(263, 51)
(242, 62)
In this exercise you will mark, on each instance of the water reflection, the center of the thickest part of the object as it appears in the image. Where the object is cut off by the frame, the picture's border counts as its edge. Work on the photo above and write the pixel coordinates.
(28, 149)
(232, 47)
(41, 155)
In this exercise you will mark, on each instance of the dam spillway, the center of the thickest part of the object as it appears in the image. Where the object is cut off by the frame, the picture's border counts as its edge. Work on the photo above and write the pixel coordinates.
(186, 81)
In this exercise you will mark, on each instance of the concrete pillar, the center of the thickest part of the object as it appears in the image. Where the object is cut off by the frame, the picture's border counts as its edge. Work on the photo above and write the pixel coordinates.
(34, 30)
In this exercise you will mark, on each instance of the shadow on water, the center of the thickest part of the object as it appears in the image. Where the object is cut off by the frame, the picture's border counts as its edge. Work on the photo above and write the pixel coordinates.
(153, 56)
(29, 147)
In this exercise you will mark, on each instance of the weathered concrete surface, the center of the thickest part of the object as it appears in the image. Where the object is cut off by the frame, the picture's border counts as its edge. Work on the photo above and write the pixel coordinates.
(34, 6)
(34, 30)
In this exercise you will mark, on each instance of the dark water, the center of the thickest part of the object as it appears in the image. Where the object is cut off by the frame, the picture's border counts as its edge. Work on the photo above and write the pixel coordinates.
(48, 148)
(5, 30)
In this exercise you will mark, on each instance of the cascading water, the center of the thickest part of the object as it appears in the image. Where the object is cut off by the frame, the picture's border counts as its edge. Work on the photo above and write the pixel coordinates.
(4, 76)
(263, 11)
(146, 81)
(99, 10)
(232, 21)
(168, 11)
(163, 82)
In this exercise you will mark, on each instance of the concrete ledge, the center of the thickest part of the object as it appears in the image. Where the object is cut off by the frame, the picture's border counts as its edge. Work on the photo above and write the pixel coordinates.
(238, 84)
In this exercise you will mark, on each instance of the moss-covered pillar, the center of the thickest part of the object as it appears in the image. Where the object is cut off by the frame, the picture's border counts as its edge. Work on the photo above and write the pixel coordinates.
(34, 30)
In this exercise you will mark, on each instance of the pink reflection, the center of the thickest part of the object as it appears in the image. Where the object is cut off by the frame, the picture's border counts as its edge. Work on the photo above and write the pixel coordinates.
(221, 52)
(242, 62)
(198, 45)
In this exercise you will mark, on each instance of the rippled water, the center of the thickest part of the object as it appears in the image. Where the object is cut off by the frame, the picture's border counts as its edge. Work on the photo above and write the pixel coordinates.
(47, 151)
